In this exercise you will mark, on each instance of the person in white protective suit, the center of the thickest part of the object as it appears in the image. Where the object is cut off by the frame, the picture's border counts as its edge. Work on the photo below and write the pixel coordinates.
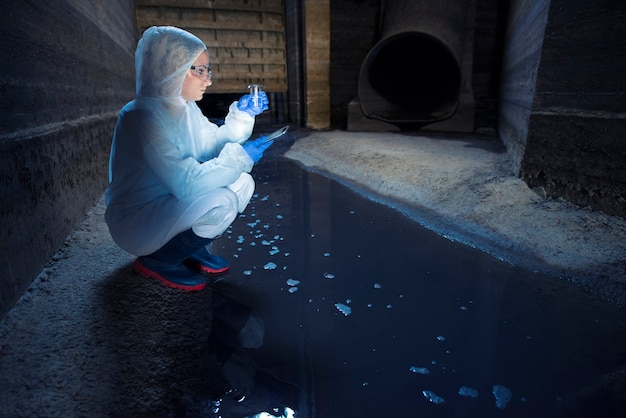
(176, 180)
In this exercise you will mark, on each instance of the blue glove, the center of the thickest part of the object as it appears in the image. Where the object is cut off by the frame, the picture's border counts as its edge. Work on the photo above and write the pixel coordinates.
(257, 147)
(246, 104)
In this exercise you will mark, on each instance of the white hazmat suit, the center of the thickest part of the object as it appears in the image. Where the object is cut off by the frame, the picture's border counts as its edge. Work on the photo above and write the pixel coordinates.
(170, 168)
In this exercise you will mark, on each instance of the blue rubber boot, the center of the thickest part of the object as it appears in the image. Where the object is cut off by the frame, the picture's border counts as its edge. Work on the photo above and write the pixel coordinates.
(166, 264)
(203, 260)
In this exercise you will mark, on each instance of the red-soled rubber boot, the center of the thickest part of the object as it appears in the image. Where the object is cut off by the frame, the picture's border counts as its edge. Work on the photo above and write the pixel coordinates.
(203, 260)
(166, 264)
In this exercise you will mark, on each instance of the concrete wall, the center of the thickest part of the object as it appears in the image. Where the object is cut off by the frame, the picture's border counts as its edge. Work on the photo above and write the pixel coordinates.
(522, 53)
(563, 103)
(67, 66)
(317, 63)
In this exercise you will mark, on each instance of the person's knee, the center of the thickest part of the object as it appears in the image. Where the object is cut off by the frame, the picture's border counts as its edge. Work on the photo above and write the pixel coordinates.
(243, 188)
(217, 219)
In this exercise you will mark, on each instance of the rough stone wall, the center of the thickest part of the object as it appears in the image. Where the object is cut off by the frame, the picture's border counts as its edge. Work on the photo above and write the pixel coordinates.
(67, 67)
(575, 147)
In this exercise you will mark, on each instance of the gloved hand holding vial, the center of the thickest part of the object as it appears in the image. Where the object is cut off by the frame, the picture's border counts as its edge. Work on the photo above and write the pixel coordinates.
(255, 102)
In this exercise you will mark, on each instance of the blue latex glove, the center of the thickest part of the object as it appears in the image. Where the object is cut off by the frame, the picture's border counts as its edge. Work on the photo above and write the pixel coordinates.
(257, 147)
(246, 104)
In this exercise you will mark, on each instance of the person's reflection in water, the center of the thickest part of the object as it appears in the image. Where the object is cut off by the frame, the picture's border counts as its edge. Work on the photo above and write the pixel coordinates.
(250, 390)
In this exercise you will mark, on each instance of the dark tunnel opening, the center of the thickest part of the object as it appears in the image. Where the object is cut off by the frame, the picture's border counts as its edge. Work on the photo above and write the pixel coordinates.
(410, 78)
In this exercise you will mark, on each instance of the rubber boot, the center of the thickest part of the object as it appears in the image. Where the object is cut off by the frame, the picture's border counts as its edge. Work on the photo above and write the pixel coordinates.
(166, 264)
(203, 260)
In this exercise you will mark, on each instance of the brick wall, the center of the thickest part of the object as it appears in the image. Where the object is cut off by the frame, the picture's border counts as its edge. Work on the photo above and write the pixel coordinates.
(245, 38)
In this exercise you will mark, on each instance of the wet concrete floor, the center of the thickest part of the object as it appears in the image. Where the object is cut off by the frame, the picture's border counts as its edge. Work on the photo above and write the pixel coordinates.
(372, 315)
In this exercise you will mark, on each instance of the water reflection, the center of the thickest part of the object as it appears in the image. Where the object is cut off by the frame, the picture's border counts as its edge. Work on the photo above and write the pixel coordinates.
(359, 301)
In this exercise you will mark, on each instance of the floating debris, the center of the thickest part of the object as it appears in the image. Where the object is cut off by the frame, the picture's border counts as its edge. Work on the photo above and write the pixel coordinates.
(293, 289)
(270, 266)
(329, 276)
(247, 272)
(344, 309)
(326, 254)
(465, 391)
(441, 338)
(378, 286)
(419, 370)
(293, 282)
(502, 395)
(432, 396)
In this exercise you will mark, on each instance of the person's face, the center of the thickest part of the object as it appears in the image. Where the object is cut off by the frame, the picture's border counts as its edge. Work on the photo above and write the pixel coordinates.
(198, 78)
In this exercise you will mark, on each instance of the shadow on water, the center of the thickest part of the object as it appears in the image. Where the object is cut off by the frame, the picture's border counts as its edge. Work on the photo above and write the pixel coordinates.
(372, 315)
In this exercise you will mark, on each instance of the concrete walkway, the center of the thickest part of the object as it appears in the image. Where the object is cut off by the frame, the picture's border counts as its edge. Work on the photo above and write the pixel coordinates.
(462, 187)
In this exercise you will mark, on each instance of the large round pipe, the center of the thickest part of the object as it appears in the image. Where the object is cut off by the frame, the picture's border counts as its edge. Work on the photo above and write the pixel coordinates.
(413, 74)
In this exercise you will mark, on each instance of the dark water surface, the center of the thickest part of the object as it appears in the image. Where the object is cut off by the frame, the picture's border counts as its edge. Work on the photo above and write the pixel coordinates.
(373, 315)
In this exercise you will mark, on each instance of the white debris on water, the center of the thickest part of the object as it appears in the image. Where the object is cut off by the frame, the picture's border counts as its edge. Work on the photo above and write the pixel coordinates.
(344, 309)
(419, 370)
(270, 266)
(329, 276)
(293, 285)
(502, 394)
(433, 397)
(469, 392)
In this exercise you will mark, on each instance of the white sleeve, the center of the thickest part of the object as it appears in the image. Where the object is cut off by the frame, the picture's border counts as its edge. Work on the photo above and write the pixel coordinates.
(237, 126)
